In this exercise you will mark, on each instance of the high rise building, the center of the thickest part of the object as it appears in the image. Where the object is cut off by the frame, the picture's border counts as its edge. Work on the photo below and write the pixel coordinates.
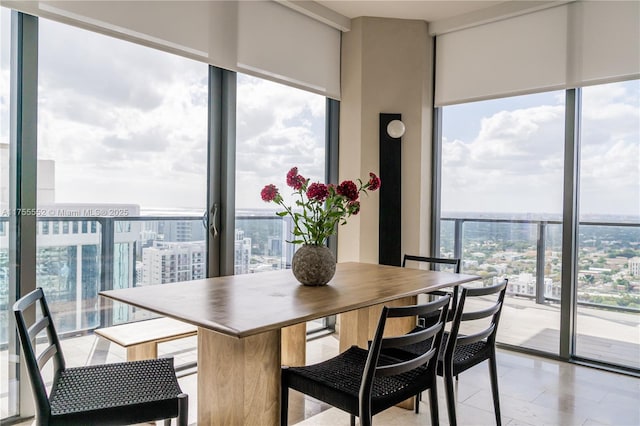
(242, 253)
(167, 262)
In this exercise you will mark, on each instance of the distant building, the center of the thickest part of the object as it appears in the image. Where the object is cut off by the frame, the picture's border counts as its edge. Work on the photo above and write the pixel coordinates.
(242, 249)
(634, 266)
(524, 284)
(168, 262)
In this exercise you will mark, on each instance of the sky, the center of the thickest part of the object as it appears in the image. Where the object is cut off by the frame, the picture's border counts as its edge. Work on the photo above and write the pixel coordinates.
(128, 124)
(506, 155)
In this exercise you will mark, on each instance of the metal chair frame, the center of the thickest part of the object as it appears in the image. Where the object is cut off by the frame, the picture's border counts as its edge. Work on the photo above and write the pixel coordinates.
(381, 381)
(461, 352)
(433, 261)
(149, 387)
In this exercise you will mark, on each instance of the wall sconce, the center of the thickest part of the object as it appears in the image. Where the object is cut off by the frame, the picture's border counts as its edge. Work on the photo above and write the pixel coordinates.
(395, 129)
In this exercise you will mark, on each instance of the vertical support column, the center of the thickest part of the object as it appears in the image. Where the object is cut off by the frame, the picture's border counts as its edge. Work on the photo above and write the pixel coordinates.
(540, 261)
(79, 292)
(221, 172)
(390, 220)
(107, 241)
(570, 225)
(332, 143)
(457, 238)
(23, 169)
(436, 179)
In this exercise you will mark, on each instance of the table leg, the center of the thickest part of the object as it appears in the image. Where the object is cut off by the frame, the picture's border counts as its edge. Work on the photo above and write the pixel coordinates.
(294, 345)
(357, 327)
(238, 379)
(142, 351)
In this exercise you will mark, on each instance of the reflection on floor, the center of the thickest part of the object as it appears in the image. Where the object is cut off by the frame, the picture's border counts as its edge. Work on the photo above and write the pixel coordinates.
(533, 391)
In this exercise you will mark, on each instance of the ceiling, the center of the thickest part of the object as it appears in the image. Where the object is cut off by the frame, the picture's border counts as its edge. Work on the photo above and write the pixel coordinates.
(426, 10)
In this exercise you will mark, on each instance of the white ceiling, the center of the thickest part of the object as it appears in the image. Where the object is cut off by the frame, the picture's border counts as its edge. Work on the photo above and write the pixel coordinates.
(427, 10)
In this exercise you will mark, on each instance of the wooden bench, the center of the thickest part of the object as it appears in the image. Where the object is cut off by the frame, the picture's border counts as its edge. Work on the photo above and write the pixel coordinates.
(141, 338)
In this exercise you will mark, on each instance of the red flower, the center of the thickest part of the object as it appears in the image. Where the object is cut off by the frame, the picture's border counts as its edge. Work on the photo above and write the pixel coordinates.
(319, 208)
(318, 191)
(269, 193)
(354, 207)
(348, 189)
(374, 182)
(294, 180)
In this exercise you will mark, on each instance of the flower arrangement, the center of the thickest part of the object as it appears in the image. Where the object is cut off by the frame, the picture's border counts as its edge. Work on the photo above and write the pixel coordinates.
(320, 207)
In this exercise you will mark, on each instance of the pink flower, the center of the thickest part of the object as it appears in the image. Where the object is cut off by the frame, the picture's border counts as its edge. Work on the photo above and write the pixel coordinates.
(294, 180)
(348, 189)
(374, 182)
(318, 191)
(269, 193)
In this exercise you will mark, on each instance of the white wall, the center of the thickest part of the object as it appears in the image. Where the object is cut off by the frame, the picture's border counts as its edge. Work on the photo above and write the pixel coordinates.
(386, 68)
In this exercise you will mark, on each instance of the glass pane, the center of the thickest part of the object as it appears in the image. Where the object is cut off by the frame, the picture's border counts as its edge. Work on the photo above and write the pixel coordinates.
(609, 234)
(8, 383)
(502, 179)
(278, 127)
(122, 163)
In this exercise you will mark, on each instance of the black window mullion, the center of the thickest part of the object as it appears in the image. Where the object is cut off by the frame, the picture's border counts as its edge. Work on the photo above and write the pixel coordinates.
(332, 143)
(221, 172)
(570, 224)
(22, 183)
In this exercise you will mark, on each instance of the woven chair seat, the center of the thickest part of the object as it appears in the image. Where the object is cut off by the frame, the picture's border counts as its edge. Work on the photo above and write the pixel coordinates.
(337, 381)
(114, 387)
(466, 356)
(111, 394)
(365, 382)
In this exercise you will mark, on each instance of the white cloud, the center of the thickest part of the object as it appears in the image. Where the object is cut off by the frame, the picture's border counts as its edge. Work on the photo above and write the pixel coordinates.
(514, 153)
(124, 124)
(278, 128)
(515, 162)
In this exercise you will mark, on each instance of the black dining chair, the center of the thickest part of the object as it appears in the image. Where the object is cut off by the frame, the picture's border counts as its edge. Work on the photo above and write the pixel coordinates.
(458, 351)
(365, 382)
(463, 351)
(433, 262)
(109, 394)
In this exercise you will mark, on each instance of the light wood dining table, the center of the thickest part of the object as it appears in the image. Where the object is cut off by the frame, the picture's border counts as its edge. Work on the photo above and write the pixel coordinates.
(250, 325)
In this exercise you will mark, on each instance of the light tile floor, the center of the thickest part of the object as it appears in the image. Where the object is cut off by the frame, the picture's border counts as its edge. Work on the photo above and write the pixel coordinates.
(533, 391)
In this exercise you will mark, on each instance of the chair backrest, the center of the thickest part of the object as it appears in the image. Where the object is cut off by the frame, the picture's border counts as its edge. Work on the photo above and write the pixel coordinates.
(30, 323)
(432, 336)
(489, 330)
(432, 261)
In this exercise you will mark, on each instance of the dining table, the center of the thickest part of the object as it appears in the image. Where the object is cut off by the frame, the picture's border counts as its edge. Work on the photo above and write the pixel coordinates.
(250, 325)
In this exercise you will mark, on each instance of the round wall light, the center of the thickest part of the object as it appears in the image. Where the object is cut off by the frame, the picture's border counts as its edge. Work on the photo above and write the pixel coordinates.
(395, 129)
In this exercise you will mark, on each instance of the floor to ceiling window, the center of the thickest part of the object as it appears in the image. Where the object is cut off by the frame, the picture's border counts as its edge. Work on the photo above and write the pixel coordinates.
(502, 174)
(8, 404)
(122, 170)
(608, 288)
(501, 212)
(278, 127)
(122, 167)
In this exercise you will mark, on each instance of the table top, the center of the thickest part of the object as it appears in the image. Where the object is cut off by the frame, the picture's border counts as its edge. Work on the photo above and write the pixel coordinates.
(245, 305)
